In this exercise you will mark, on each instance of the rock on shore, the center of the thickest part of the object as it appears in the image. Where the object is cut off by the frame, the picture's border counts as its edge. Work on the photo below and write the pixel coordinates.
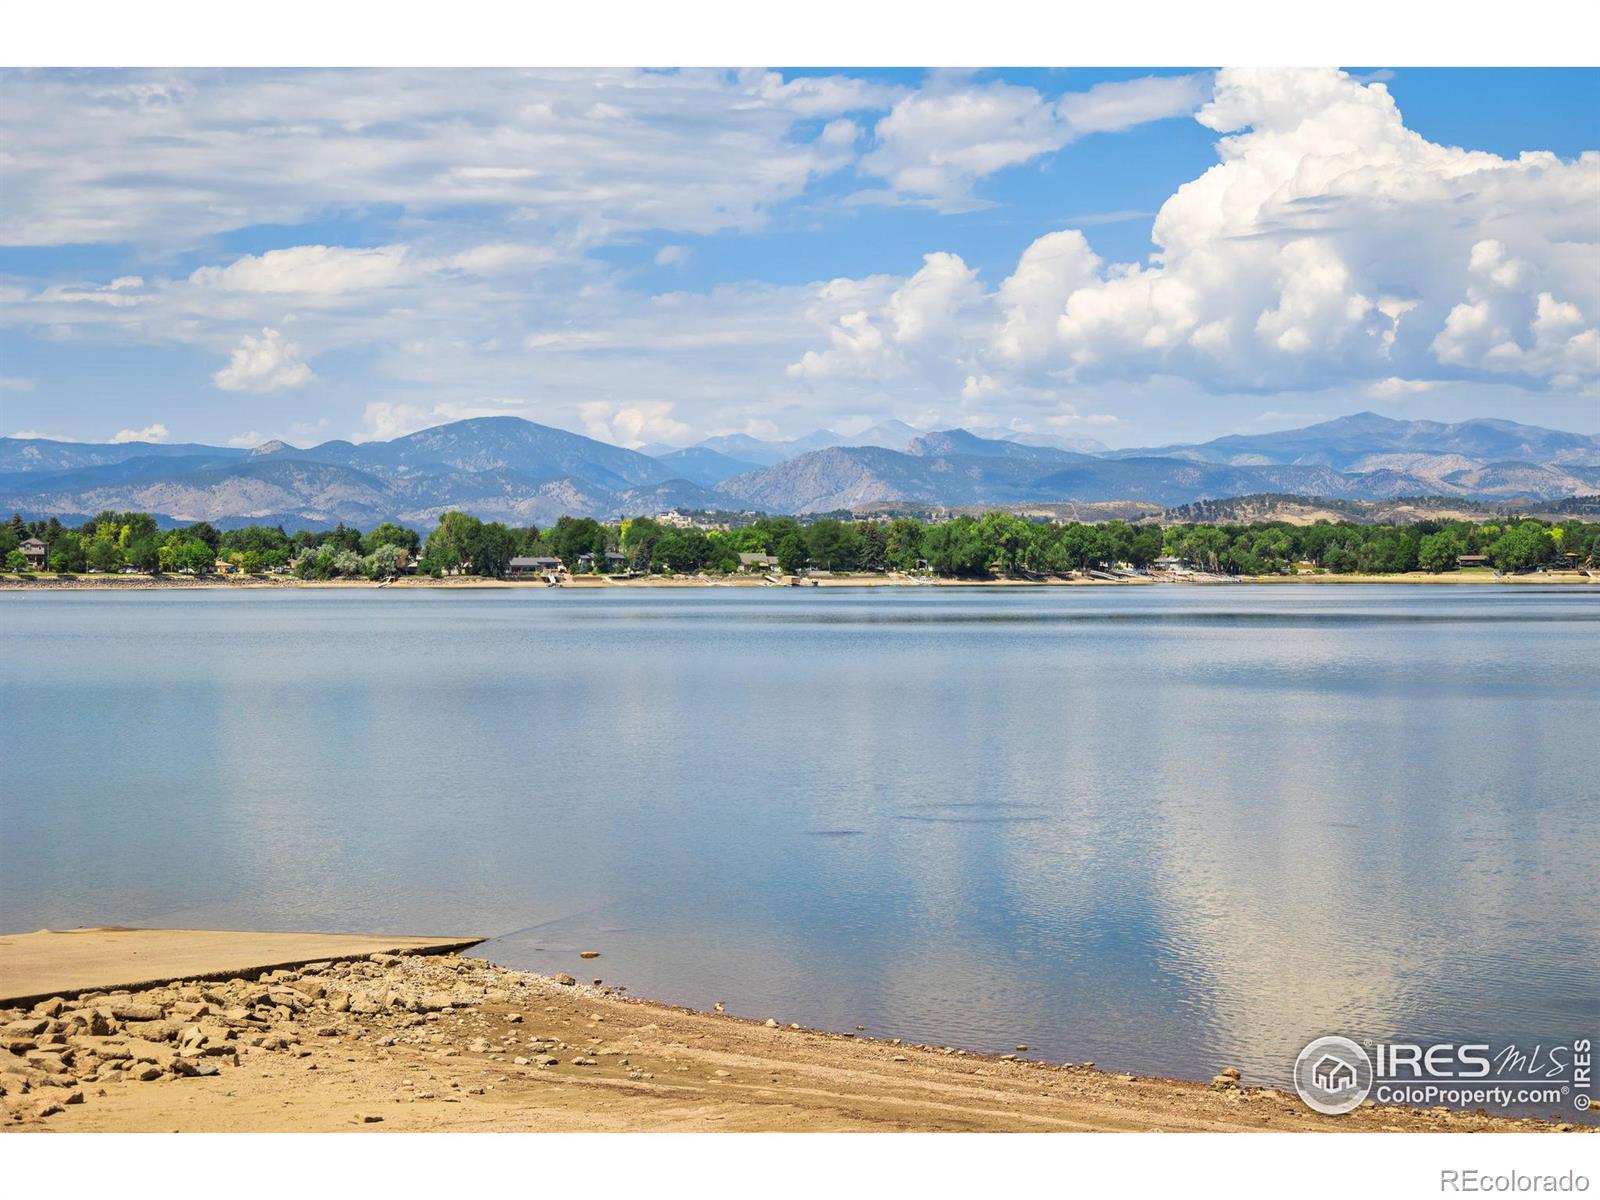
(63, 1050)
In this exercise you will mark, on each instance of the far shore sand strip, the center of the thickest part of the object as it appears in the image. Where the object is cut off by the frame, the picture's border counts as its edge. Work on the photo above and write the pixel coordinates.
(67, 963)
(427, 1040)
(595, 583)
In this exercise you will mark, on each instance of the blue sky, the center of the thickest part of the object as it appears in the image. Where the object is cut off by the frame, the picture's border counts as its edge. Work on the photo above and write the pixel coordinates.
(656, 257)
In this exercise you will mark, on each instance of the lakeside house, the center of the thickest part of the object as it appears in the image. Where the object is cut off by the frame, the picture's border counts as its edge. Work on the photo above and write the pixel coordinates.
(34, 551)
(1171, 562)
(758, 563)
(524, 566)
(1472, 560)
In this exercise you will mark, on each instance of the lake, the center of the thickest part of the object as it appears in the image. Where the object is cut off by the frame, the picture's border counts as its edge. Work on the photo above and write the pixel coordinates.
(1164, 829)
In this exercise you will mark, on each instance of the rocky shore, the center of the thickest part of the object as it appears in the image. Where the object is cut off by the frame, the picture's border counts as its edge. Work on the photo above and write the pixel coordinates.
(444, 1042)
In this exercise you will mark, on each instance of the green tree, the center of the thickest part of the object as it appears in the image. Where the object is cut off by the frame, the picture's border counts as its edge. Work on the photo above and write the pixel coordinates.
(66, 553)
(904, 544)
(198, 556)
(771, 532)
(1339, 559)
(448, 549)
(205, 531)
(792, 554)
(398, 536)
(573, 537)
(343, 537)
(384, 561)
(1145, 547)
(1525, 545)
(1006, 539)
(1437, 552)
(681, 550)
(16, 561)
(833, 545)
(144, 555)
(957, 548)
(874, 554)
(101, 554)
(491, 549)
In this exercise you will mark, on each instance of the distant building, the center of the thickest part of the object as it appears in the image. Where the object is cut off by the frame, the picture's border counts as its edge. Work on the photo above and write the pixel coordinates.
(757, 562)
(615, 560)
(1171, 562)
(1472, 560)
(535, 566)
(33, 551)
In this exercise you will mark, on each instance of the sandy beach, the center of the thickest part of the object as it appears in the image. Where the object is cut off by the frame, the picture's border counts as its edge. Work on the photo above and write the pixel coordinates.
(431, 1040)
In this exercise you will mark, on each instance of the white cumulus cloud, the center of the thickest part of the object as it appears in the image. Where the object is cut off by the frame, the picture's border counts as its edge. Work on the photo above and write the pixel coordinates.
(1330, 240)
(876, 335)
(268, 363)
(318, 270)
(1330, 246)
(156, 432)
(633, 425)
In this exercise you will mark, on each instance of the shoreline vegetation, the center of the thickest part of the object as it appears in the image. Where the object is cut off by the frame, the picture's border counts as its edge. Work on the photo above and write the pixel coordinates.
(673, 550)
(129, 583)
(424, 1040)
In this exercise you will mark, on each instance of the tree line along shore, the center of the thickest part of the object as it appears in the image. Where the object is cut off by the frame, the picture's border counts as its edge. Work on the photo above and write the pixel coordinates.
(966, 547)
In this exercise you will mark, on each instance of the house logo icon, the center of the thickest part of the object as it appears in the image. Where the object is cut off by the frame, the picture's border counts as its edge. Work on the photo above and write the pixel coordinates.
(1333, 1075)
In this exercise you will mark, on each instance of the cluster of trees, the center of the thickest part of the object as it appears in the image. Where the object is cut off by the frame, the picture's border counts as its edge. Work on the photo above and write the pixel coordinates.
(1262, 548)
(110, 542)
(114, 541)
(963, 547)
(341, 552)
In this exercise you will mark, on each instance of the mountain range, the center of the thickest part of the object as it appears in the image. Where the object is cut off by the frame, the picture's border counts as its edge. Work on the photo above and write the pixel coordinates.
(509, 469)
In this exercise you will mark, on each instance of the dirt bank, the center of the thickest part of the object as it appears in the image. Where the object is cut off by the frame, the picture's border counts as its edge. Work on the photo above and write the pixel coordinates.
(442, 1042)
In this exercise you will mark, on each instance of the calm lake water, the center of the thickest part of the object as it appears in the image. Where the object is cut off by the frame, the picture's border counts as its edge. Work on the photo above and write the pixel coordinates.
(1166, 829)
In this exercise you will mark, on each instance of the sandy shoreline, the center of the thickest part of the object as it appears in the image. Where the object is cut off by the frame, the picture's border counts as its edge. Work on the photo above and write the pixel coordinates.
(429, 1041)
(596, 583)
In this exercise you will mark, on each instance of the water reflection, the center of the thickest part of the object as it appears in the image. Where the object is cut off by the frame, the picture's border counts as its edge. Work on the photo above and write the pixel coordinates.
(1167, 830)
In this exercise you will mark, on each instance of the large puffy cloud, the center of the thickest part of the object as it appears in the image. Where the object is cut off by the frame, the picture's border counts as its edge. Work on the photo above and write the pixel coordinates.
(1329, 246)
(1032, 299)
(1330, 240)
(882, 339)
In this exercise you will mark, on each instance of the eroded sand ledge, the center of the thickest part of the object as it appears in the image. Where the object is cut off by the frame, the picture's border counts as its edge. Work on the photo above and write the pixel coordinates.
(65, 963)
(435, 1041)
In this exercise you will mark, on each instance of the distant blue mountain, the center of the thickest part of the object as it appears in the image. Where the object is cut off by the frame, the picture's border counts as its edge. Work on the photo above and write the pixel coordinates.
(505, 468)
(702, 465)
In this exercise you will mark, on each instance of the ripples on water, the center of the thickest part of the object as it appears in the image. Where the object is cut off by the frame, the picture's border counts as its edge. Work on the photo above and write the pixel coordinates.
(1165, 829)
